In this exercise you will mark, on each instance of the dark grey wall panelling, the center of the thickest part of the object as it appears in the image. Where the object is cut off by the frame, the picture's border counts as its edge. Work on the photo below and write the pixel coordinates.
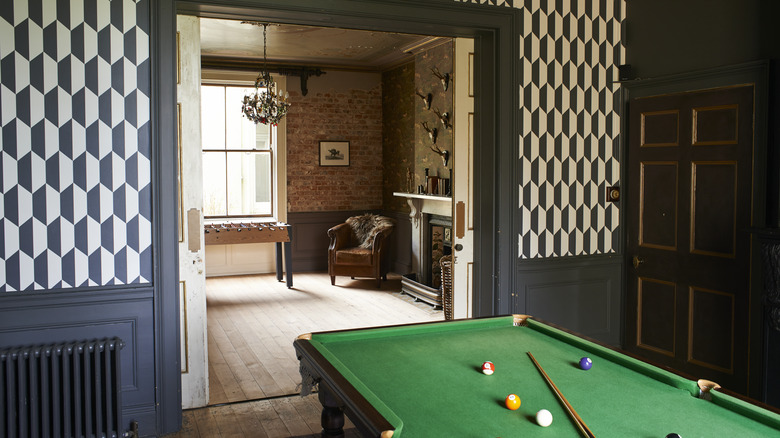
(310, 238)
(87, 315)
(769, 35)
(581, 294)
(666, 36)
(400, 250)
(76, 194)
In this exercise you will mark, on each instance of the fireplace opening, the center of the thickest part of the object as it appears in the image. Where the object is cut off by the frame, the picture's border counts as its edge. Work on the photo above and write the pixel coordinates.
(441, 245)
(436, 243)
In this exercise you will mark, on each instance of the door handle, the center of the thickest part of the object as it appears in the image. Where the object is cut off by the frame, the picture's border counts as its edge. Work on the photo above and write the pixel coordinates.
(458, 247)
(637, 261)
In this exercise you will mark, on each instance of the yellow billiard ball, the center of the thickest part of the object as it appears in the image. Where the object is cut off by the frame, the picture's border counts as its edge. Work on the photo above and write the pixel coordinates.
(512, 402)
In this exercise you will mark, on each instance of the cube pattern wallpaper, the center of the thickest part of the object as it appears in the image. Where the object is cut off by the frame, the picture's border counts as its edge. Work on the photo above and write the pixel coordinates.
(75, 137)
(570, 122)
(74, 144)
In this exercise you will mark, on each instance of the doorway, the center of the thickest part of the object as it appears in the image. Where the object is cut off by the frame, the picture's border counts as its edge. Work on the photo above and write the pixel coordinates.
(227, 394)
(495, 133)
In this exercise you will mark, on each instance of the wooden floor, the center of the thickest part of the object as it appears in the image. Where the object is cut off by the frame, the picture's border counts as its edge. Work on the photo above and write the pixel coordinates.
(252, 322)
(292, 416)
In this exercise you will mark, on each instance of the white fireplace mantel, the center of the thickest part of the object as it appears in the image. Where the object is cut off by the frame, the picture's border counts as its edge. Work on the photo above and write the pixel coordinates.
(430, 204)
(423, 205)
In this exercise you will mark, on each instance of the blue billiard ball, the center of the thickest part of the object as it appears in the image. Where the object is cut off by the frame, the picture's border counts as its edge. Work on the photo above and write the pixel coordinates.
(586, 363)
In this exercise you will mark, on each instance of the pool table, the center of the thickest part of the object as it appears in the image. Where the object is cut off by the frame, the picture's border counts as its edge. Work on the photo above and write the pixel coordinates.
(425, 380)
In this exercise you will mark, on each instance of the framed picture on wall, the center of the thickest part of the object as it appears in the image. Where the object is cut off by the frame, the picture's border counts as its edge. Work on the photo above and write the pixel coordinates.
(334, 153)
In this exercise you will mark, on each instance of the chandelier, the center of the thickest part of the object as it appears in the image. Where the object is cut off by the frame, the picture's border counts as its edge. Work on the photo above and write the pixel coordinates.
(266, 104)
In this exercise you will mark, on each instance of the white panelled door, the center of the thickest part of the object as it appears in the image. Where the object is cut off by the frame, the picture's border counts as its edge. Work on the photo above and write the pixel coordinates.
(192, 278)
(463, 193)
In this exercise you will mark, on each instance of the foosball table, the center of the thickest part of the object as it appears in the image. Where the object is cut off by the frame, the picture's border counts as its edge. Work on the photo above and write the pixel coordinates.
(228, 233)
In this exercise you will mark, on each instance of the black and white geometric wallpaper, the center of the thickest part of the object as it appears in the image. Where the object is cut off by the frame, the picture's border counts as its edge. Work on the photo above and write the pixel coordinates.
(569, 53)
(75, 144)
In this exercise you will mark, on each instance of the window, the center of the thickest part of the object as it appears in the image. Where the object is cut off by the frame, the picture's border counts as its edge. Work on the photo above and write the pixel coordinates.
(237, 157)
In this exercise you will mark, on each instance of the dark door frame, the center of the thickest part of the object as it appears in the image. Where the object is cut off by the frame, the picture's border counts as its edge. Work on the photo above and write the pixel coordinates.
(753, 73)
(495, 32)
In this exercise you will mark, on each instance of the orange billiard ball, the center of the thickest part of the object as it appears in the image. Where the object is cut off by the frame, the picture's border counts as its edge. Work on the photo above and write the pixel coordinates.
(488, 368)
(512, 402)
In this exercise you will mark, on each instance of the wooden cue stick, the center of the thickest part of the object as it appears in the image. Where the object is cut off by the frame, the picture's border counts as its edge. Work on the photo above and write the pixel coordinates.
(572, 413)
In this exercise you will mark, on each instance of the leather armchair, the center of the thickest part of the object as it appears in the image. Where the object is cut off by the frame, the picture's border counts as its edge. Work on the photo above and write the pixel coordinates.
(349, 256)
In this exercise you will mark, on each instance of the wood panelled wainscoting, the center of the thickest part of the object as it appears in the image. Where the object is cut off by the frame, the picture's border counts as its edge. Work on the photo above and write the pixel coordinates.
(310, 239)
(580, 293)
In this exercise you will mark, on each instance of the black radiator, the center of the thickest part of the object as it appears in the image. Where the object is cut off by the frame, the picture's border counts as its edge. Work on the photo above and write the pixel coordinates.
(61, 390)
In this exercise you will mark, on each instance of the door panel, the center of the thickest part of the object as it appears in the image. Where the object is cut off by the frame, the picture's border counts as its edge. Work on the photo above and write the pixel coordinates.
(660, 128)
(658, 204)
(715, 125)
(713, 224)
(711, 317)
(656, 316)
(688, 251)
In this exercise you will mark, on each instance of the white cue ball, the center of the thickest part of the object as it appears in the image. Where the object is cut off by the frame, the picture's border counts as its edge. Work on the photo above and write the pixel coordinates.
(544, 418)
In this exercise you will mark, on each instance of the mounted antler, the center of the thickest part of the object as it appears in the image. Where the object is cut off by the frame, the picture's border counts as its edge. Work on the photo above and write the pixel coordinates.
(433, 132)
(427, 99)
(444, 118)
(445, 155)
(444, 78)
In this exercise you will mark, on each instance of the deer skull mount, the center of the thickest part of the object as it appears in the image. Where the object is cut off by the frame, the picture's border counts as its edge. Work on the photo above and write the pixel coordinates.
(433, 133)
(444, 118)
(445, 155)
(426, 98)
(444, 78)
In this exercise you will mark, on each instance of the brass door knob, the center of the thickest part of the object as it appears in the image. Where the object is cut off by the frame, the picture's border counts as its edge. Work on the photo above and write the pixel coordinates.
(638, 261)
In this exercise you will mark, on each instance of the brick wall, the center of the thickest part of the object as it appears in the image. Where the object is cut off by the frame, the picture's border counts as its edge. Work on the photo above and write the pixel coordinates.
(353, 115)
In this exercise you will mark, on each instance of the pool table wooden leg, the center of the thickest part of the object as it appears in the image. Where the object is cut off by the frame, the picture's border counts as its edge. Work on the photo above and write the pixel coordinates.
(332, 415)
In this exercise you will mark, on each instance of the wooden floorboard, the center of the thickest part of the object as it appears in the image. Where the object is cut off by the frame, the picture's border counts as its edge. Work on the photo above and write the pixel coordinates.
(253, 372)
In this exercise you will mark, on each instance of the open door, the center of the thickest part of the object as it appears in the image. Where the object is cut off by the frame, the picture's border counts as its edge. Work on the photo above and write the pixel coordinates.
(192, 277)
(463, 169)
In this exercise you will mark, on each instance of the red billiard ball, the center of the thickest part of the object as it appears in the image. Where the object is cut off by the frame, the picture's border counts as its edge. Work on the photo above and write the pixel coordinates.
(488, 368)
(512, 402)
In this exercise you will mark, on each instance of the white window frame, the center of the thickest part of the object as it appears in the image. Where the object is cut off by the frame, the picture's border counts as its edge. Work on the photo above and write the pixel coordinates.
(278, 143)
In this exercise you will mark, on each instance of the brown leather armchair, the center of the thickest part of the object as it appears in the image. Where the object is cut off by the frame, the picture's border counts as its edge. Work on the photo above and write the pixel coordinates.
(358, 246)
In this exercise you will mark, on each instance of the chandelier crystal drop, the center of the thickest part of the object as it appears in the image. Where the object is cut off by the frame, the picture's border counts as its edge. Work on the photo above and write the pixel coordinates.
(266, 104)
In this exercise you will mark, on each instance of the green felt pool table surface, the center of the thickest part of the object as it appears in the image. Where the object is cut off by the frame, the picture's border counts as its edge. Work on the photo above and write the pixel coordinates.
(426, 380)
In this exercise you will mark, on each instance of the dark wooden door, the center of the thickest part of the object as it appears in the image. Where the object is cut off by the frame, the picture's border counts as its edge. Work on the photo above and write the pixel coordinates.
(688, 248)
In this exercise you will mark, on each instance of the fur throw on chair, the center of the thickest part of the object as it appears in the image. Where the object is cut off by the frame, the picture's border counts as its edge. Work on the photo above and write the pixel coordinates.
(367, 226)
